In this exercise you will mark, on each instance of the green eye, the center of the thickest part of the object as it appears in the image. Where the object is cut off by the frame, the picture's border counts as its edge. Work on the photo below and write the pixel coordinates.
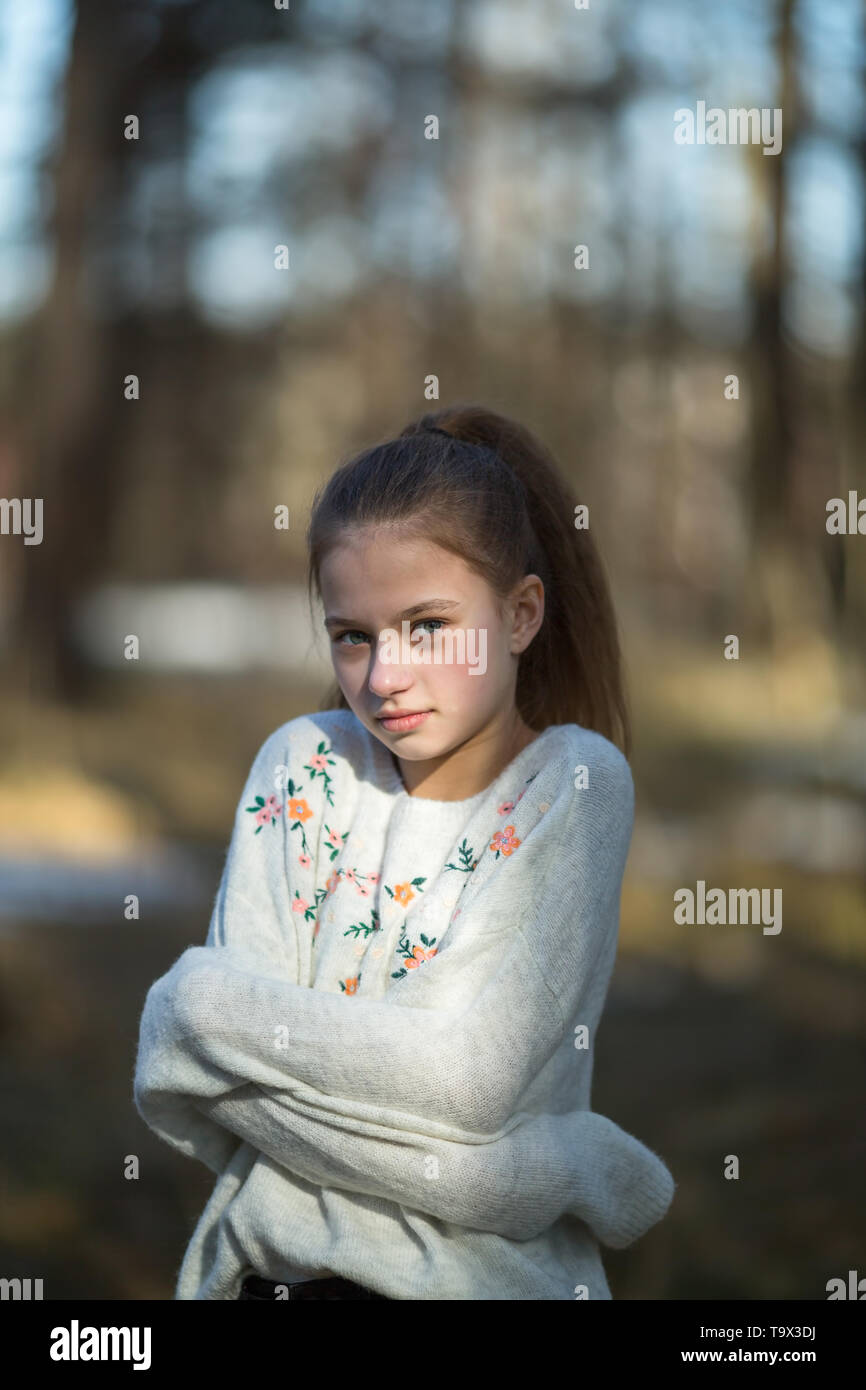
(356, 632)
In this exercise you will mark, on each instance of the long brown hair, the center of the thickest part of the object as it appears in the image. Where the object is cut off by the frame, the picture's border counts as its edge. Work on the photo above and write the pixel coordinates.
(484, 487)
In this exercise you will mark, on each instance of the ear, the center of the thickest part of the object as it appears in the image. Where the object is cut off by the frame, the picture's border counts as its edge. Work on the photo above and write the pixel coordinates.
(527, 604)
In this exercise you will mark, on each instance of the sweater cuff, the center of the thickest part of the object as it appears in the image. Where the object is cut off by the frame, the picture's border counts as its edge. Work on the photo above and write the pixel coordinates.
(636, 1186)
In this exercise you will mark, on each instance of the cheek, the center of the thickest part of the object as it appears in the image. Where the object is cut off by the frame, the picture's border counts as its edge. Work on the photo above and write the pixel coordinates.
(471, 681)
(452, 678)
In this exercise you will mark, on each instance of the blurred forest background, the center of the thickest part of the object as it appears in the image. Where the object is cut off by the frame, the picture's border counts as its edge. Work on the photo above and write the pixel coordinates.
(154, 256)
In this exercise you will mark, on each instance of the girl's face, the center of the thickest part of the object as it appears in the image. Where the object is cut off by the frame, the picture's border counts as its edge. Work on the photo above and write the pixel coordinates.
(383, 597)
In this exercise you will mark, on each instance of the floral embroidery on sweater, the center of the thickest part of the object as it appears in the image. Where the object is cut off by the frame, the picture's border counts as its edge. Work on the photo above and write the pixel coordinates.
(336, 840)
(467, 859)
(357, 927)
(265, 811)
(414, 955)
(298, 811)
(402, 892)
(317, 766)
(360, 882)
(300, 904)
(504, 842)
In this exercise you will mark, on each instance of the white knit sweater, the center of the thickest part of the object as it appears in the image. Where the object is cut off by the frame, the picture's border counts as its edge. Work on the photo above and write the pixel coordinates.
(384, 1050)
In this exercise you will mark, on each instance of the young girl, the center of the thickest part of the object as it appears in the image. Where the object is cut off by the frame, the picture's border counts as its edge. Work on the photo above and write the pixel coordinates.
(384, 1051)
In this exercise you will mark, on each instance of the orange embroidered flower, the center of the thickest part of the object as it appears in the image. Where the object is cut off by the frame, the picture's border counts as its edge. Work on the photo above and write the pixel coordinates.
(413, 956)
(419, 955)
(350, 986)
(332, 881)
(298, 809)
(504, 841)
(403, 893)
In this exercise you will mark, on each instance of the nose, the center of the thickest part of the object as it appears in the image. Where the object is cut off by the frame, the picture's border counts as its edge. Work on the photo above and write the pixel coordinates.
(386, 675)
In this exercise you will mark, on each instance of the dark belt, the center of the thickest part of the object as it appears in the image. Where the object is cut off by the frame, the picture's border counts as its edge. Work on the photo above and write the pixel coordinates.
(265, 1290)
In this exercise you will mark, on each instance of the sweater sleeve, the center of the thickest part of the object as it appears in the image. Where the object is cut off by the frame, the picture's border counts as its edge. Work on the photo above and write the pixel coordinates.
(458, 1040)
(254, 865)
(515, 1185)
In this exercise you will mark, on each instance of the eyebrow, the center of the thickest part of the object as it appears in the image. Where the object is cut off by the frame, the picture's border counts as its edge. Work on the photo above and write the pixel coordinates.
(441, 605)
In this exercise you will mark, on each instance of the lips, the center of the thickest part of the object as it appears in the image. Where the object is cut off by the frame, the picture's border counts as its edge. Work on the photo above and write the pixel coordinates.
(402, 721)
